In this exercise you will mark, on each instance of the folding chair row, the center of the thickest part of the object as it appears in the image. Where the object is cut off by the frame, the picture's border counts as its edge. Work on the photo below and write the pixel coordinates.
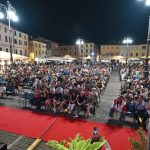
(27, 96)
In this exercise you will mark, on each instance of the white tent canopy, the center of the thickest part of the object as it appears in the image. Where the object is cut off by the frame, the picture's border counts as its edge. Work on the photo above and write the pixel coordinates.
(5, 56)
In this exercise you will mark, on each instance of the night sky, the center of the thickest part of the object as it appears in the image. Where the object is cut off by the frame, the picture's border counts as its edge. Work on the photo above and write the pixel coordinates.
(100, 21)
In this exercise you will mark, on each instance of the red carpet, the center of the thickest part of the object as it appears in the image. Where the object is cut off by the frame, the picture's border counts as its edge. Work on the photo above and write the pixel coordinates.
(34, 125)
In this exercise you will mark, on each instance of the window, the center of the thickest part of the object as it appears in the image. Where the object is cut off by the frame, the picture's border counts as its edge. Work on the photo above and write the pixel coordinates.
(6, 49)
(15, 33)
(36, 52)
(144, 47)
(86, 55)
(6, 39)
(19, 34)
(20, 42)
(1, 49)
(20, 52)
(131, 54)
(91, 45)
(25, 43)
(137, 54)
(82, 46)
(39, 45)
(25, 37)
(35, 44)
(91, 51)
(81, 50)
(5, 29)
(0, 37)
(16, 51)
(81, 55)
(39, 53)
(86, 50)
(86, 45)
(15, 41)
(75, 53)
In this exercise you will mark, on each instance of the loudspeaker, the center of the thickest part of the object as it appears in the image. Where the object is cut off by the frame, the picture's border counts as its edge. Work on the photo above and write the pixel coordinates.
(3, 146)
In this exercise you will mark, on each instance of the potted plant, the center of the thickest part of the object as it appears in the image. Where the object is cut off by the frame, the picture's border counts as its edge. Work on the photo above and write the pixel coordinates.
(141, 143)
(78, 143)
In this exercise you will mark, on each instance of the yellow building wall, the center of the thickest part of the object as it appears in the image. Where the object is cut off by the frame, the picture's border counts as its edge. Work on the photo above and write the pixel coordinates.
(110, 52)
(34, 48)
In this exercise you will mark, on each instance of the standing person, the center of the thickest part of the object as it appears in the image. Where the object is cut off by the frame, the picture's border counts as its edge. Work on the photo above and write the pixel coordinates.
(96, 137)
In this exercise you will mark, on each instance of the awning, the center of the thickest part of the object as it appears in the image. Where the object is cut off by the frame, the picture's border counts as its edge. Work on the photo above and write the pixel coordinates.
(6, 56)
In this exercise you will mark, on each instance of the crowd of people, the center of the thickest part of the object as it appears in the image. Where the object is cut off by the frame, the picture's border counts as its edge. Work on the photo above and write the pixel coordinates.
(134, 96)
(66, 88)
(72, 88)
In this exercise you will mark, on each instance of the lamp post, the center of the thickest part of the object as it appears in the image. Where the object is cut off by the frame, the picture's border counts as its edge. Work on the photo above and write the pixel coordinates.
(146, 68)
(146, 64)
(11, 16)
(79, 42)
(127, 41)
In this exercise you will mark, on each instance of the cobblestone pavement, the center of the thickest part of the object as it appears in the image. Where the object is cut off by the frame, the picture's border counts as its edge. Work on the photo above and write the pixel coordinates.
(112, 90)
(17, 142)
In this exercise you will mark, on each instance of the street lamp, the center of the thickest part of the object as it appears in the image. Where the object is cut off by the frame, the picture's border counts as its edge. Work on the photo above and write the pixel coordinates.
(79, 42)
(11, 16)
(127, 41)
(146, 64)
(147, 2)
